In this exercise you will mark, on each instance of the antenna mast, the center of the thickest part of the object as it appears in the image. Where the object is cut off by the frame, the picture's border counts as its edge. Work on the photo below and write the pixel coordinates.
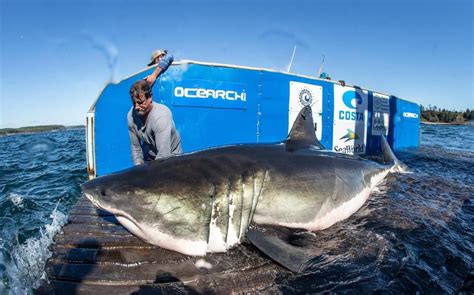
(291, 61)
(320, 68)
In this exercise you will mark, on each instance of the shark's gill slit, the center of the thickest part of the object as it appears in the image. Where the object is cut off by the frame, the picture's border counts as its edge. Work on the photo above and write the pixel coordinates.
(263, 184)
(242, 207)
(212, 196)
(230, 209)
(254, 196)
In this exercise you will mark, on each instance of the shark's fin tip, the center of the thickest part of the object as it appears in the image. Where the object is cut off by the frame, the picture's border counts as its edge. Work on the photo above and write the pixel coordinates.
(302, 134)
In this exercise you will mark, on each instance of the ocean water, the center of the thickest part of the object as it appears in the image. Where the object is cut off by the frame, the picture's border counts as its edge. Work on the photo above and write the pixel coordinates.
(40, 176)
(414, 234)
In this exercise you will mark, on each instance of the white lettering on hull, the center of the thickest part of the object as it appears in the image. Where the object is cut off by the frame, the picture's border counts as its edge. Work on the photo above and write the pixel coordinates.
(210, 93)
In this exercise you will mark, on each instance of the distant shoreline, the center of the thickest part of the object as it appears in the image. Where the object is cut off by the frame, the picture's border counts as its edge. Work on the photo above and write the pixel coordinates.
(444, 123)
(36, 129)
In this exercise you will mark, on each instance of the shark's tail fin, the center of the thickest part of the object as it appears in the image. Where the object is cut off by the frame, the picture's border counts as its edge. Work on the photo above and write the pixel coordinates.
(389, 157)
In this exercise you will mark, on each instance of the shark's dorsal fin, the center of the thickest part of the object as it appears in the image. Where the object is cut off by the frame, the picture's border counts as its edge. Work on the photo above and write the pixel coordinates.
(302, 133)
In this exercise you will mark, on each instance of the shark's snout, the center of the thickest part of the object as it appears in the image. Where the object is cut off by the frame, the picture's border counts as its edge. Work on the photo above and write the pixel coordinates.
(89, 195)
(94, 193)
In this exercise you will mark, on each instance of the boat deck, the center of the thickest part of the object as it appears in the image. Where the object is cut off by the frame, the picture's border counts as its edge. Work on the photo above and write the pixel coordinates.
(94, 254)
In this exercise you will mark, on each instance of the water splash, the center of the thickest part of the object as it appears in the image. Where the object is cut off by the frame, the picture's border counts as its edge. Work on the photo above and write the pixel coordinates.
(24, 268)
(8, 239)
(16, 199)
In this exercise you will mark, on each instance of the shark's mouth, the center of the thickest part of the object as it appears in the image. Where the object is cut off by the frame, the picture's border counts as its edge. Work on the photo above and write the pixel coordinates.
(153, 234)
(116, 212)
(125, 219)
(93, 201)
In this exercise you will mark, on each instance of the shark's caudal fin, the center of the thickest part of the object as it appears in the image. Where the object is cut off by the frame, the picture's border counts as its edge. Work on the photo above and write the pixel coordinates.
(302, 133)
(389, 157)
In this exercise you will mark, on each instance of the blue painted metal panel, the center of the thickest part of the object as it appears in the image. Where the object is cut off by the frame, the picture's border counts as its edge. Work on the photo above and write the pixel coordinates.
(373, 142)
(207, 121)
(217, 105)
(273, 107)
(201, 124)
(404, 131)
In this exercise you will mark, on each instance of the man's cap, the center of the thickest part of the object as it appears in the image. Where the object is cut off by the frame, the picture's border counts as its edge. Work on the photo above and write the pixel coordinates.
(155, 54)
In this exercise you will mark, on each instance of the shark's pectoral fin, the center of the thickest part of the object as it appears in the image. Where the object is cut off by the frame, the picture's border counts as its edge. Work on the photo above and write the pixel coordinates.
(281, 245)
(302, 134)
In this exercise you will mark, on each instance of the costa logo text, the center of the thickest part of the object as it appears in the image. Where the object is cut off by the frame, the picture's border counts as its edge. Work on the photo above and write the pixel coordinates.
(351, 100)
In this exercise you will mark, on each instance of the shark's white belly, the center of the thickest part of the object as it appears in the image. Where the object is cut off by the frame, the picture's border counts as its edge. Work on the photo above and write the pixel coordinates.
(329, 213)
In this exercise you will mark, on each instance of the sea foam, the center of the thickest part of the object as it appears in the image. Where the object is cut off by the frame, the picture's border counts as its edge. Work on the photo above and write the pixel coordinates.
(25, 266)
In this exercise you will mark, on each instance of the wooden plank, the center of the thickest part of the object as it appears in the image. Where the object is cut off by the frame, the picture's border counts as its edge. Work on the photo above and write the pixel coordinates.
(65, 287)
(257, 280)
(93, 219)
(115, 256)
(154, 277)
(118, 274)
(89, 211)
(148, 273)
(234, 258)
(100, 241)
(83, 200)
(143, 266)
(81, 229)
(85, 205)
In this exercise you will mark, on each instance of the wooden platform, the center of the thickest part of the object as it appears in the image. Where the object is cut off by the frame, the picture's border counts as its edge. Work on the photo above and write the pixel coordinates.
(94, 254)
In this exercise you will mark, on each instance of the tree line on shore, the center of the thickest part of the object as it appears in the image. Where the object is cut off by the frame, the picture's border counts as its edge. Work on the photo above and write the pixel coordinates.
(34, 129)
(28, 129)
(438, 115)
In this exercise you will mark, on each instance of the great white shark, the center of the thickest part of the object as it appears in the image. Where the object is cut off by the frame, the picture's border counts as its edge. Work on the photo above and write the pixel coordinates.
(204, 201)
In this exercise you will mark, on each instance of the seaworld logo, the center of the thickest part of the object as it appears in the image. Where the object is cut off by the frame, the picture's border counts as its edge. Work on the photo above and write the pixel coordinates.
(350, 149)
(351, 100)
(351, 135)
(210, 93)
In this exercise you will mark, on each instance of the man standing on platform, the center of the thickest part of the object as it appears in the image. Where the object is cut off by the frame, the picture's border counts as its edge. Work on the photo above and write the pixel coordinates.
(152, 131)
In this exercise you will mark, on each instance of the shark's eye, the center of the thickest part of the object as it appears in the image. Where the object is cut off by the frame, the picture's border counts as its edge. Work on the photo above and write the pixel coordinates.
(102, 192)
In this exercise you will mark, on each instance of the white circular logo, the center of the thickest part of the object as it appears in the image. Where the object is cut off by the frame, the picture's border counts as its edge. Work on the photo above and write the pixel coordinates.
(305, 96)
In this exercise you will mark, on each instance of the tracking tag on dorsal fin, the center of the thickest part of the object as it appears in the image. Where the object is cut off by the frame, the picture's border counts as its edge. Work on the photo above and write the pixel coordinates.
(302, 133)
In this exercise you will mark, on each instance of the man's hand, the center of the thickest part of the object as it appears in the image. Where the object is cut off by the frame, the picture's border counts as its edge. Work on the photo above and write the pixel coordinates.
(151, 79)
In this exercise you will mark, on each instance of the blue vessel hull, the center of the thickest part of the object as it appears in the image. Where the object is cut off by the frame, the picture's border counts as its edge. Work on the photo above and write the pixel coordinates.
(216, 104)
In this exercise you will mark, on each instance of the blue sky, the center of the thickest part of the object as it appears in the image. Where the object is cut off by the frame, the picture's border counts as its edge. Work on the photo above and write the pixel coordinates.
(56, 56)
